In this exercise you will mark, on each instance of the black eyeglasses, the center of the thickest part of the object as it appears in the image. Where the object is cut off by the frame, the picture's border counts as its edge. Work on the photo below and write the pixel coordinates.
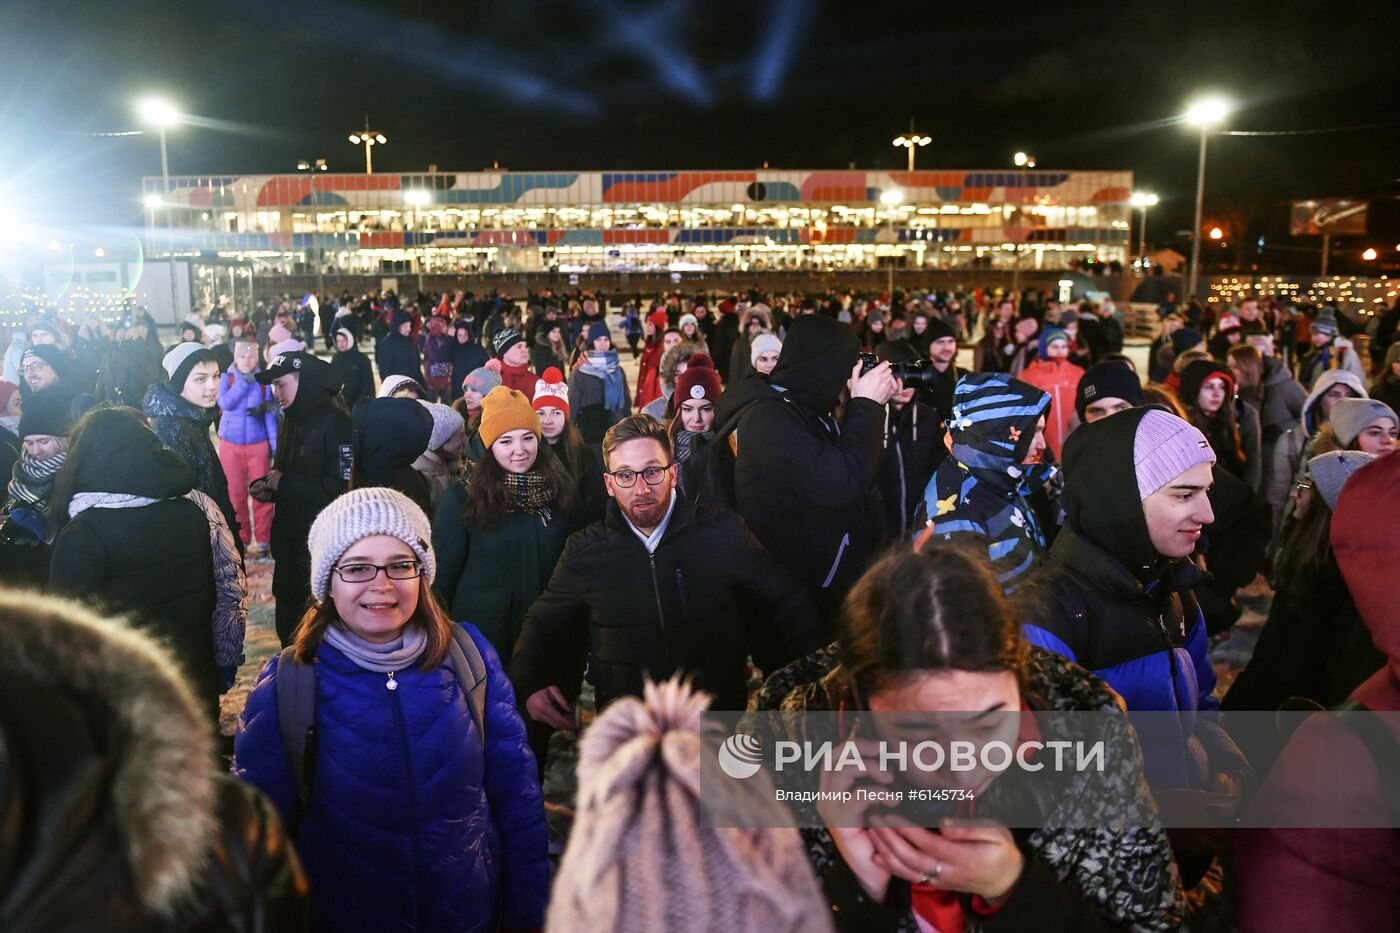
(628, 478)
(364, 573)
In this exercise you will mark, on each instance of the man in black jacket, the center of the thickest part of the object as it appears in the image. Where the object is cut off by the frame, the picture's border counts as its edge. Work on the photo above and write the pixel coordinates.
(311, 468)
(913, 447)
(657, 588)
(803, 482)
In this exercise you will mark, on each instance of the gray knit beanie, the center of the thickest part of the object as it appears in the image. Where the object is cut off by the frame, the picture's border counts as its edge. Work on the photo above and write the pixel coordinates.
(447, 421)
(360, 513)
(640, 858)
(1350, 416)
(1330, 472)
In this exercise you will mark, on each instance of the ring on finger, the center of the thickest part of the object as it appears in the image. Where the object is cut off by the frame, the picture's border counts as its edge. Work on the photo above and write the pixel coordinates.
(931, 876)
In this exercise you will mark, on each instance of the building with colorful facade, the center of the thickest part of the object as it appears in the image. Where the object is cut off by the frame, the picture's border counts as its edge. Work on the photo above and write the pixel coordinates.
(749, 221)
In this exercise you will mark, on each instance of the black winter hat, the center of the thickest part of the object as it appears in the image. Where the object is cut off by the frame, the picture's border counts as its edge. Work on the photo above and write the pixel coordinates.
(504, 340)
(48, 412)
(1108, 379)
(61, 362)
(388, 433)
(938, 329)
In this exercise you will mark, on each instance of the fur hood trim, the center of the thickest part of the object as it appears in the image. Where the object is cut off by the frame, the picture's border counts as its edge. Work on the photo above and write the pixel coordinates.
(163, 787)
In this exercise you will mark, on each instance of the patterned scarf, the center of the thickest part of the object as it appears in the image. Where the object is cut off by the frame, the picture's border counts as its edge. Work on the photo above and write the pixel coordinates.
(529, 492)
(33, 479)
(685, 443)
(603, 365)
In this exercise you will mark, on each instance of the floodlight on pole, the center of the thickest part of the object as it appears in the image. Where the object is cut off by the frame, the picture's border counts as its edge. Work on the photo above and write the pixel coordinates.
(369, 139)
(1369, 254)
(1025, 162)
(1142, 200)
(162, 114)
(1204, 113)
(911, 141)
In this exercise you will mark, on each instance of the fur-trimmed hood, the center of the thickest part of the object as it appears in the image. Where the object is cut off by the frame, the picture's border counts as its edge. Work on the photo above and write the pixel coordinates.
(159, 775)
(761, 312)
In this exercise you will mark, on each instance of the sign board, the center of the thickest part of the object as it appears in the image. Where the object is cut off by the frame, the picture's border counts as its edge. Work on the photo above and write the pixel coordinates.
(1329, 216)
(573, 278)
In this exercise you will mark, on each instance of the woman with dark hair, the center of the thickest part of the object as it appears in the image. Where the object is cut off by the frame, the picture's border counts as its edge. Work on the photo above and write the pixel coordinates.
(929, 632)
(418, 808)
(1314, 644)
(135, 537)
(1208, 393)
(549, 349)
(501, 530)
(562, 437)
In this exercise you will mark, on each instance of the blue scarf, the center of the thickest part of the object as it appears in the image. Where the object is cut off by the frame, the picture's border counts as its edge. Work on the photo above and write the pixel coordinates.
(603, 365)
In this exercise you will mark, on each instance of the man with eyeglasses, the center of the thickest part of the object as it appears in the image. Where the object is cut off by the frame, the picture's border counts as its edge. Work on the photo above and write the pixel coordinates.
(658, 587)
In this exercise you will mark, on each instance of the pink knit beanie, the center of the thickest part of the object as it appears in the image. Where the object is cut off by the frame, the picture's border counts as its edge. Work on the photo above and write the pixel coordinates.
(1165, 447)
(640, 857)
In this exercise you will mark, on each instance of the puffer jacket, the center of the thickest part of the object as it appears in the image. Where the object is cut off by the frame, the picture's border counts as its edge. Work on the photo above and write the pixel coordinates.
(184, 428)
(980, 492)
(410, 826)
(105, 753)
(249, 410)
(1081, 879)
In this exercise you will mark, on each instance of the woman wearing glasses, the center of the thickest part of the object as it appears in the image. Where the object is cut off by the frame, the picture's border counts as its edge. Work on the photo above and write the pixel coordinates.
(501, 530)
(422, 811)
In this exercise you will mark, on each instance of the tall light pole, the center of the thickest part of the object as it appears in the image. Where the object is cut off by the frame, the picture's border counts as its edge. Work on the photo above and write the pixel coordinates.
(162, 114)
(1025, 162)
(1204, 114)
(314, 167)
(911, 141)
(416, 198)
(1142, 200)
(370, 138)
(892, 199)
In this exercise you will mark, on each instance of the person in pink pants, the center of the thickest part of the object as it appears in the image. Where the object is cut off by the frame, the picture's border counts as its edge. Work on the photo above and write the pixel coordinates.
(247, 440)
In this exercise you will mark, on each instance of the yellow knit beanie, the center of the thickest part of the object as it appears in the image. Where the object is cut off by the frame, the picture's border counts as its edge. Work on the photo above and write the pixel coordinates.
(505, 410)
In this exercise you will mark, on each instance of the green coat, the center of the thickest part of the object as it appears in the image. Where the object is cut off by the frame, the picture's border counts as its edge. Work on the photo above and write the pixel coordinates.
(491, 578)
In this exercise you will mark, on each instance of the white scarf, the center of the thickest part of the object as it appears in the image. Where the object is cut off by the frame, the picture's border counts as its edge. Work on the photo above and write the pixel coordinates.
(386, 658)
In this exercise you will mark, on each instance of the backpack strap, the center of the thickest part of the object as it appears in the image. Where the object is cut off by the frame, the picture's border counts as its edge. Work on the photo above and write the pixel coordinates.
(470, 668)
(1380, 742)
(296, 715)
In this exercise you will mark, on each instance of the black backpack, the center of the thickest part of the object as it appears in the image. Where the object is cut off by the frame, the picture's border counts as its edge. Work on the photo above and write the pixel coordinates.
(296, 707)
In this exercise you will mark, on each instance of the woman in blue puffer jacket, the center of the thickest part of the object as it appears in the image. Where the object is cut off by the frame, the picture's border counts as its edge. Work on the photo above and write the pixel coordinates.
(414, 820)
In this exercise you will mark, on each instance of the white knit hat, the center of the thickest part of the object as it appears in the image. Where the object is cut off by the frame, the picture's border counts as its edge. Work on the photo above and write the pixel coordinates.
(447, 421)
(392, 384)
(764, 343)
(358, 514)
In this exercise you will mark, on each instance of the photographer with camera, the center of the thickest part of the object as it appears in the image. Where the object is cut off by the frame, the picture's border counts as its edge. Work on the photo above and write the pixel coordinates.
(913, 439)
(982, 492)
(803, 478)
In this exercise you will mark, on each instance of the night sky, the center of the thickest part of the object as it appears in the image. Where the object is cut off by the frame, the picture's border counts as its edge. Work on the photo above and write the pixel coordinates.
(689, 84)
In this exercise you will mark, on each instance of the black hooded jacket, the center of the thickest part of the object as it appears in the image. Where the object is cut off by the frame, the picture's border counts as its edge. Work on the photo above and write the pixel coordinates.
(314, 457)
(184, 428)
(397, 355)
(154, 561)
(387, 435)
(356, 376)
(1117, 608)
(804, 485)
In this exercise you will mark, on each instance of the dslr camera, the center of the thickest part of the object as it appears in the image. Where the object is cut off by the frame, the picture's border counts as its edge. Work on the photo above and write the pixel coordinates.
(918, 373)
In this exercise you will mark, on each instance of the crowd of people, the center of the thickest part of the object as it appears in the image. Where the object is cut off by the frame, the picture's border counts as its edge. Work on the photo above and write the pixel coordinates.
(484, 534)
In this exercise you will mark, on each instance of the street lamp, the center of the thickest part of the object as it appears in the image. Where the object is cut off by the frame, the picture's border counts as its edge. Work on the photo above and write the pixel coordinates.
(911, 142)
(892, 199)
(416, 198)
(369, 138)
(1142, 200)
(162, 114)
(1025, 162)
(314, 167)
(1370, 254)
(1205, 113)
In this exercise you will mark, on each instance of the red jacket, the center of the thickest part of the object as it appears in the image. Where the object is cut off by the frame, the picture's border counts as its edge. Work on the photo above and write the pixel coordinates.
(1061, 380)
(1339, 880)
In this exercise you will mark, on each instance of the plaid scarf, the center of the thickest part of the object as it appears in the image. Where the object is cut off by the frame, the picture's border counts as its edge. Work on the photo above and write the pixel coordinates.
(33, 480)
(529, 492)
